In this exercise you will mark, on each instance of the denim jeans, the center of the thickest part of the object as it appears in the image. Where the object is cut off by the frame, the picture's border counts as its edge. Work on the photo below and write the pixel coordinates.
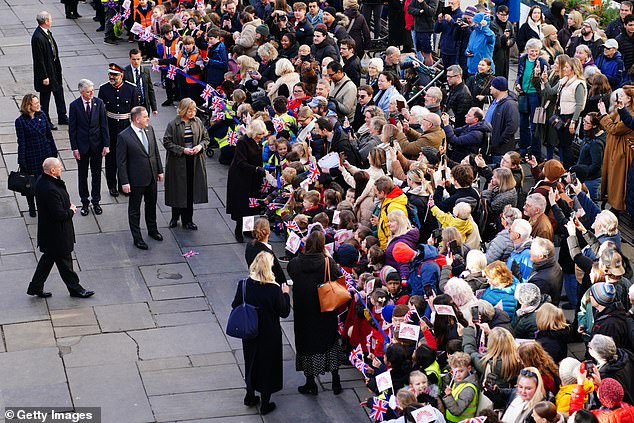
(528, 128)
(594, 187)
(571, 286)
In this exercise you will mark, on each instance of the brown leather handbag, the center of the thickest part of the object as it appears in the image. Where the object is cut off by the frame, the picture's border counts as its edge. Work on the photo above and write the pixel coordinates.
(332, 294)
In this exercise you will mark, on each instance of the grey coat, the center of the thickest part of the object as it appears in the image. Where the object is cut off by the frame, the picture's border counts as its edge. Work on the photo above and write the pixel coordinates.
(175, 163)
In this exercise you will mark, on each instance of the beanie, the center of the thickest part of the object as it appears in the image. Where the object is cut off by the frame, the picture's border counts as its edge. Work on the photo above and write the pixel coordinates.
(263, 30)
(470, 11)
(387, 312)
(331, 10)
(386, 270)
(610, 393)
(346, 255)
(403, 253)
(500, 83)
(604, 293)
(568, 370)
(548, 30)
(528, 294)
(591, 23)
(553, 170)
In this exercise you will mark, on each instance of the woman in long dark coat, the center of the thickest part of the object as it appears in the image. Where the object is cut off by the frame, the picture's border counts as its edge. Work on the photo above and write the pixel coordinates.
(261, 233)
(185, 140)
(245, 175)
(316, 336)
(35, 140)
(263, 354)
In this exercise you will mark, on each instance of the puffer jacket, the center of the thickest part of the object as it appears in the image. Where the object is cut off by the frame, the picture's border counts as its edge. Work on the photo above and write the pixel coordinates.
(506, 294)
(467, 140)
(500, 248)
(505, 121)
(524, 324)
(547, 275)
(324, 49)
(613, 68)
(410, 238)
(621, 368)
(395, 200)
(481, 43)
(522, 255)
(590, 160)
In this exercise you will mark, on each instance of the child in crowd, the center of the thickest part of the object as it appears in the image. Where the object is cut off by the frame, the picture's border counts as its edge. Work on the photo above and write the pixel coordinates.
(461, 395)
(460, 218)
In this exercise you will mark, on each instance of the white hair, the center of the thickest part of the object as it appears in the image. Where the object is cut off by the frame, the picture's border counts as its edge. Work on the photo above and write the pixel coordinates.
(435, 92)
(462, 210)
(376, 62)
(543, 247)
(476, 261)
(522, 228)
(533, 43)
(459, 291)
(417, 112)
(42, 17)
(538, 201)
(606, 223)
(283, 67)
(84, 84)
(257, 127)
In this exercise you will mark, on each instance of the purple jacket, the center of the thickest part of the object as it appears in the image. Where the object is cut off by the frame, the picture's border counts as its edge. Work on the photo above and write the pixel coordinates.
(411, 239)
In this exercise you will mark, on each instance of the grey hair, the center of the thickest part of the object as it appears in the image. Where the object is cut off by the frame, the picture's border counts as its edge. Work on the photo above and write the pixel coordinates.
(42, 17)
(455, 69)
(543, 246)
(377, 123)
(533, 43)
(604, 346)
(84, 84)
(417, 112)
(391, 50)
(538, 201)
(435, 92)
(522, 228)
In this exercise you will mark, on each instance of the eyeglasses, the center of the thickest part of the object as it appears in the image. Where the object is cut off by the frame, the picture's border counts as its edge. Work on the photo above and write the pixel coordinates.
(451, 76)
(362, 96)
(330, 74)
(528, 373)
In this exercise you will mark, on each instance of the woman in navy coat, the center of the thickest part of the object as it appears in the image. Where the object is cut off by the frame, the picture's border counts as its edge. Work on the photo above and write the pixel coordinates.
(35, 140)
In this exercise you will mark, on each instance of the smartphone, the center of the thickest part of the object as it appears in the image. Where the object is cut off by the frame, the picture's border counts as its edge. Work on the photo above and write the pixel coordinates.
(453, 247)
(573, 215)
(446, 10)
(443, 174)
(489, 382)
(400, 105)
(429, 292)
(443, 159)
(573, 178)
(427, 322)
(475, 314)
(589, 368)
(437, 234)
(340, 159)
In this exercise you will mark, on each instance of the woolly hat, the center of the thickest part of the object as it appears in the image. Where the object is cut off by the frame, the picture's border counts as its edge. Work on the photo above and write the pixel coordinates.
(331, 10)
(549, 30)
(604, 293)
(385, 271)
(387, 312)
(403, 253)
(470, 11)
(591, 23)
(553, 170)
(500, 83)
(528, 294)
(431, 154)
(568, 370)
(263, 30)
(610, 393)
(346, 255)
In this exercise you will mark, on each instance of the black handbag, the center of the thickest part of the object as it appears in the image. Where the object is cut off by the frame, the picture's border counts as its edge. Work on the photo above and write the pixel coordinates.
(22, 182)
(556, 122)
(243, 320)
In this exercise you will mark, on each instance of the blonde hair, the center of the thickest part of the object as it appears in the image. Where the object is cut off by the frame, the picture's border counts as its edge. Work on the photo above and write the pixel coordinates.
(501, 346)
(283, 67)
(25, 106)
(257, 127)
(506, 181)
(606, 223)
(540, 392)
(403, 222)
(246, 63)
(462, 210)
(549, 317)
(184, 105)
(261, 269)
(476, 261)
(405, 398)
(268, 50)
(417, 374)
(459, 359)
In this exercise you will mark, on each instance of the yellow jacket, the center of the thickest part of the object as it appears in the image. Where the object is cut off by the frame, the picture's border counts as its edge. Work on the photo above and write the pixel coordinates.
(562, 399)
(395, 200)
(465, 227)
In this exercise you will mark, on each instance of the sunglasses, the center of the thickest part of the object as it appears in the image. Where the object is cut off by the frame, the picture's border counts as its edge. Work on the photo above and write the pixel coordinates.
(528, 373)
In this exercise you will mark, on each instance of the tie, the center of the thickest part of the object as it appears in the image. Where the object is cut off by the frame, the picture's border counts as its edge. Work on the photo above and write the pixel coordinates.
(53, 45)
(144, 141)
(88, 109)
(139, 88)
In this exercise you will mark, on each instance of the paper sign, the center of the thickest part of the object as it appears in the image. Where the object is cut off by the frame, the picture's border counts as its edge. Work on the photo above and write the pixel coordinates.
(393, 402)
(248, 222)
(136, 28)
(408, 331)
(126, 4)
(330, 248)
(305, 185)
(424, 414)
(293, 242)
(369, 286)
(329, 161)
(335, 217)
(444, 310)
(384, 381)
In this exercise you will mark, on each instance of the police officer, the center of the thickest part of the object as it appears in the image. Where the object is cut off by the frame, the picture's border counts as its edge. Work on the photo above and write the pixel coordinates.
(119, 97)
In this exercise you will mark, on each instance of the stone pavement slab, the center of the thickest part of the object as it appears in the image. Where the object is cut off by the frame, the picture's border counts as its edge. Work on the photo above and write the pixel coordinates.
(123, 317)
(173, 292)
(179, 319)
(193, 379)
(167, 274)
(100, 349)
(15, 305)
(15, 238)
(199, 405)
(28, 336)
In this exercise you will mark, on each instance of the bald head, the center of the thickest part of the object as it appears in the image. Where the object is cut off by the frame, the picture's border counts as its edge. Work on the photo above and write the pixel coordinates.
(52, 166)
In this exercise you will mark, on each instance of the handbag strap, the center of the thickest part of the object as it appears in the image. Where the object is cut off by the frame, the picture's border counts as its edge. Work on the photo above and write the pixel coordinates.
(244, 291)
(326, 269)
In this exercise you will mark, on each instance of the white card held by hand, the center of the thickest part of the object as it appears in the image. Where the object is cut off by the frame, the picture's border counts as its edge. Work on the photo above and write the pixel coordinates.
(248, 222)
(424, 414)
(407, 331)
(293, 242)
(384, 381)
(444, 310)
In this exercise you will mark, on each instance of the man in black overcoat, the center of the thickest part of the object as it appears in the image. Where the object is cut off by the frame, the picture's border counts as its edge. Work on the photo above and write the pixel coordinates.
(47, 69)
(55, 232)
(142, 80)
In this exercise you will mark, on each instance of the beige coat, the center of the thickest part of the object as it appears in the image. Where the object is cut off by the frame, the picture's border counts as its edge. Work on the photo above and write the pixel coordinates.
(617, 157)
(246, 38)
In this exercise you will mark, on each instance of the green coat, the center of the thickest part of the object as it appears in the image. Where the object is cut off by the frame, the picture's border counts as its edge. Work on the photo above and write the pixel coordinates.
(176, 167)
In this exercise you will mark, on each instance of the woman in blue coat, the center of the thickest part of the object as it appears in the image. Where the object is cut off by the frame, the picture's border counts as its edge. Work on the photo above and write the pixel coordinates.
(481, 43)
(501, 288)
(35, 140)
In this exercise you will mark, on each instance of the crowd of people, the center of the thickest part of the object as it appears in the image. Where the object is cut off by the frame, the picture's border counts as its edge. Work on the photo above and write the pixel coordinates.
(459, 243)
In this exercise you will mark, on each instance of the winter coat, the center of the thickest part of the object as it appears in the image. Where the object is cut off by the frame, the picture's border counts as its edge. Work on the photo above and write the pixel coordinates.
(45, 66)
(459, 101)
(458, 407)
(613, 68)
(344, 92)
(424, 13)
(524, 34)
(588, 165)
(524, 324)
(288, 80)
(396, 23)
(500, 319)
(624, 413)
(246, 37)
(506, 294)
(245, 178)
(554, 16)
(176, 163)
(621, 368)
(617, 158)
(263, 354)
(315, 332)
(55, 231)
(382, 98)
(359, 31)
(395, 200)
(481, 43)
(480, 84)
(324, 49)
(521, 255)
(217, 65)
(433, 137)
(450, 34)
(289, 53)
(611, 322)
(626, 48)
(467, 139)
(410, 238)
(596, 45)
(521, 66)
(254, 248)
(555, 342)
(514, 8)
(470, 343)
(614, 28)
(467, 195)
(35, 142)
(499, 200)
(547, 275)
(501, 51)
(504, 123)
(500, 248)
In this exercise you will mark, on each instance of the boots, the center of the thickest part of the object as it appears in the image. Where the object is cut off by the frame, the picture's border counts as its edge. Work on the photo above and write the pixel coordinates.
(31, 201)
(238, 231)
(310, 388)
(336, 383)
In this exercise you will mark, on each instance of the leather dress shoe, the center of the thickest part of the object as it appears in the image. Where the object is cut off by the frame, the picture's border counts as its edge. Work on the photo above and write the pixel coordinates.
(53, 127)
(97, 208)
(100, 29)
(62, 121)
(173, 223)
(84, 293)
(70, 17)
(84, 211)
(140, 244)
(32, 213)
(77, 15)
(40, 294)
(191, 226)
(114, 192)
(96, 19)
(156, 235)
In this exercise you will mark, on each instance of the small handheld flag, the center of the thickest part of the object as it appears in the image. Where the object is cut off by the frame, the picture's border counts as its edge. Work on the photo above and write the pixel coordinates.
(232, 138)
(253, 203)
(171, 72)
(379, 408)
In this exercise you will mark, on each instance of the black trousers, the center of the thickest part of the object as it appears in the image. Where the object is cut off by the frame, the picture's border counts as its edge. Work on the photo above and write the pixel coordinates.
(64, 265)
(100, 13)
(70, 7)
(92, 159)
(60, 103)
(187, 213)
(137, 194)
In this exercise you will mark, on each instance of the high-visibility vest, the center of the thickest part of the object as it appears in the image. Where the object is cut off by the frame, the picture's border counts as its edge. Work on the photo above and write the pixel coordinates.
(170, 51)
(145, 19)
(192, 59)
(471, 409)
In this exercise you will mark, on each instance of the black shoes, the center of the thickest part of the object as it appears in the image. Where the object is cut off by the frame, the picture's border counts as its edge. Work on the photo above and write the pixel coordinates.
(156, 235)
(140, 244)
(97, 208)
(167, 103)
(77, 15)
(70, 17)
(96, 19)
(267, 408)
(173, 223)
(53, 127)
(251, 400)
(110, 41)
(84, 210)
(308, 389)
(100, 29)
(114, 192)
(63, 121)
(32, 213)
(40, 294)
(82, 294)
(191, 226)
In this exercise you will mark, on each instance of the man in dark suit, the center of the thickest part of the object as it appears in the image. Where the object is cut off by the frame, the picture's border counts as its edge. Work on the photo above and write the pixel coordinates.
(90, 141)
(55, 232)
(135, 74)
(140, 167)
(47, 69)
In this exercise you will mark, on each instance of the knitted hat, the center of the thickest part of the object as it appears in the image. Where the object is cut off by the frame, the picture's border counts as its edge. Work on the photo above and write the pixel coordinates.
(604, 293)
(548, 30)
(346, 255)
(470, 11)
(553, 170)
(528, 294)
(385, 271)
(263, 30)
(403, 253)
(387, 312)
(610, 393)
(500, 83)
(331, 10)
(568, 369)
(591, 23)
(431, 154)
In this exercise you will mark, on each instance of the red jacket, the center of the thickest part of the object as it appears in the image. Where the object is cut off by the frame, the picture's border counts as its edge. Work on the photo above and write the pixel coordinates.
(409, 19)
(623, 414)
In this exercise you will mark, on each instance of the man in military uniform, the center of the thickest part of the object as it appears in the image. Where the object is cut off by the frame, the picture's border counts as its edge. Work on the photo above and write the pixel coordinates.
(119, 97)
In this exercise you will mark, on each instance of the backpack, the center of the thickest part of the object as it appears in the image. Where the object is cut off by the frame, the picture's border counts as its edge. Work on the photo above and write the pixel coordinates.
(412, 214)
(426, 272)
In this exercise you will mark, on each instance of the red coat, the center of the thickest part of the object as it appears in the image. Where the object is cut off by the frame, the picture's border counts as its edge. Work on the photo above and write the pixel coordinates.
(409, 19)
(623, 414)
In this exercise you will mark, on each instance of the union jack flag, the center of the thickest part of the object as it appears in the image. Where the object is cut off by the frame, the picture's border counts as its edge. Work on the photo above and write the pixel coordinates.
(156, 68)
(272, 206)
(219, 115)
(207, 92)
(216, 103)
(313, 172)
(116, 18)
(265, 186)
(232, 137)
(309, 137)
(147, 35)
(189, 64)
(292, 225)
(368, 342)
(410, 314)
(278, 124)
(171, 72)
(254, 202)
(356, 354)
(349, 278)
(200, 3)
(340, 327)
(126, 14)
(480, 419)
(379, 408)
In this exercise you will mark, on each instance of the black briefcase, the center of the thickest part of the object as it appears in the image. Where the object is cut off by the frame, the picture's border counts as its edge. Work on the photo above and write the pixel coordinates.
(22, 182)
